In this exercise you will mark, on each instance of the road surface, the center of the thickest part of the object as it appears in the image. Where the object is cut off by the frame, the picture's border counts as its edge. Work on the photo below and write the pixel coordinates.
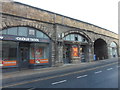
(105, 76)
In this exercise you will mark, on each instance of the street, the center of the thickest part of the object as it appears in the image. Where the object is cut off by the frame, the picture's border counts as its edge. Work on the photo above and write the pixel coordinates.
(105, 76)
(45, 48)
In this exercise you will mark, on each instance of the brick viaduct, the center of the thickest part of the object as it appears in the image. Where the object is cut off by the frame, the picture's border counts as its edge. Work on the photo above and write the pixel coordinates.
(56, 27)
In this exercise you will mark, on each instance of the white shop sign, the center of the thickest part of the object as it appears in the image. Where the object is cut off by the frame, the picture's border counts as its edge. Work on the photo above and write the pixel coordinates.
(27, 39)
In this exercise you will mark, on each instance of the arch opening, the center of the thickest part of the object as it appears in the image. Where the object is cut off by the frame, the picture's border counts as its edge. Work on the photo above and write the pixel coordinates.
(113, 50)
(100, 49)
(75, 48)
(24, 47)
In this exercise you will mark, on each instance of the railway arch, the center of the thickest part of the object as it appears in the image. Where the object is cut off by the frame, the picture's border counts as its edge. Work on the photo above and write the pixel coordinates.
(70, 40)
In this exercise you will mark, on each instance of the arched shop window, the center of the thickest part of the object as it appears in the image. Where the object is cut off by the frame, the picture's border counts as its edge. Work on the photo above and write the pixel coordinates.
(113, 50)
(24, 45)
(24, 31)
(75, 37)
(74, 51)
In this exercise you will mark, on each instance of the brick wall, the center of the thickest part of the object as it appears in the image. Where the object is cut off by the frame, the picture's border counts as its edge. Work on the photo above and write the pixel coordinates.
(26, 11)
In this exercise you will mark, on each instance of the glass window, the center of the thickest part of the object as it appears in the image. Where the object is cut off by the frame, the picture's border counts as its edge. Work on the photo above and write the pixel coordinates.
(3, 31)
(41, 53)
(31, 32)
(79, 38)
(113, 44)
(67, 37)
(110, 49)
(0, 32)
(45, 36)
(76, 37)
(72, 37)
(9, 50)
(113, 50)
(12, 31)
(32, 51)
(39, 34)
(22, 31)
(83, 40)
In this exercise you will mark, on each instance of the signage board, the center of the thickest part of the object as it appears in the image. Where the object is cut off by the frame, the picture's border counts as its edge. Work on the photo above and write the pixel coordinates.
(26, 39)
(75, 51)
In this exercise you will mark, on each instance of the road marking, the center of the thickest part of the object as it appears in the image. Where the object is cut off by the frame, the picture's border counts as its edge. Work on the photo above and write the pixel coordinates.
(98, 72)
(82, 76)
(109, 68)
(59, 82)
(31, 89)
(46, 78)
(118, 66)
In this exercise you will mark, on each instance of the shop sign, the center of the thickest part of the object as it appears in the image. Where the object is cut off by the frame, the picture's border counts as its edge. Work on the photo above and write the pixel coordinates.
(28, 39)
(38, 61)
(9, 63)
(75, 51)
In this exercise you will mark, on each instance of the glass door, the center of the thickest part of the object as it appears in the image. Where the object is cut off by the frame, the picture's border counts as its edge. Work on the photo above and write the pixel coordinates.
(24, 55)
(83, 52)
(67, 54)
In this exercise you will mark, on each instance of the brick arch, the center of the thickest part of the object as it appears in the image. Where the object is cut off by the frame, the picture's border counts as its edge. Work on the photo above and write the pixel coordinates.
(39, 27)
(116, 42)
(100, 49)
(101, 39)
(77, 32)
(107, 40)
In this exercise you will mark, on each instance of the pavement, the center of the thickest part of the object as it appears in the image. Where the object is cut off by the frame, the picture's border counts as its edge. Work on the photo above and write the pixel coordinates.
(19, 76)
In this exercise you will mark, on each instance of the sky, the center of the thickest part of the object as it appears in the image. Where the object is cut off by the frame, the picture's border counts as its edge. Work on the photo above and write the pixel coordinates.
(103, 13)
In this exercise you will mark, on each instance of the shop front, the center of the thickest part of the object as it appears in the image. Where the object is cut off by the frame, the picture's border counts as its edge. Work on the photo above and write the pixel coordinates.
(24, 47)
(75, 48)
(113, 50)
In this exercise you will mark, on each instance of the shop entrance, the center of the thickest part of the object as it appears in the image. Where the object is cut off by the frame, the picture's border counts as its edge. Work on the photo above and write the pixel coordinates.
(83, 52)
(24, 54)
(67, 54)
(24, 47)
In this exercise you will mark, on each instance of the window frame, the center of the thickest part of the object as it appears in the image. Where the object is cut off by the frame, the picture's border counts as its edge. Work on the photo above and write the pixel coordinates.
(74, 36)
(20, 32)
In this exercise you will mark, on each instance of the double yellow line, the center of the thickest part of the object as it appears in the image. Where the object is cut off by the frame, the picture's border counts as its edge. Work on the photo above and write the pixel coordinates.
(46, 78)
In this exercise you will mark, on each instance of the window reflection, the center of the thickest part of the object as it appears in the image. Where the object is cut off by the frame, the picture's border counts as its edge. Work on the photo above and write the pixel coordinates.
(113, 50)
(9, 49)
(75, 37)
(12, 31)
(39, 53)
(4, 31)
(24, 31)
(39, 34)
